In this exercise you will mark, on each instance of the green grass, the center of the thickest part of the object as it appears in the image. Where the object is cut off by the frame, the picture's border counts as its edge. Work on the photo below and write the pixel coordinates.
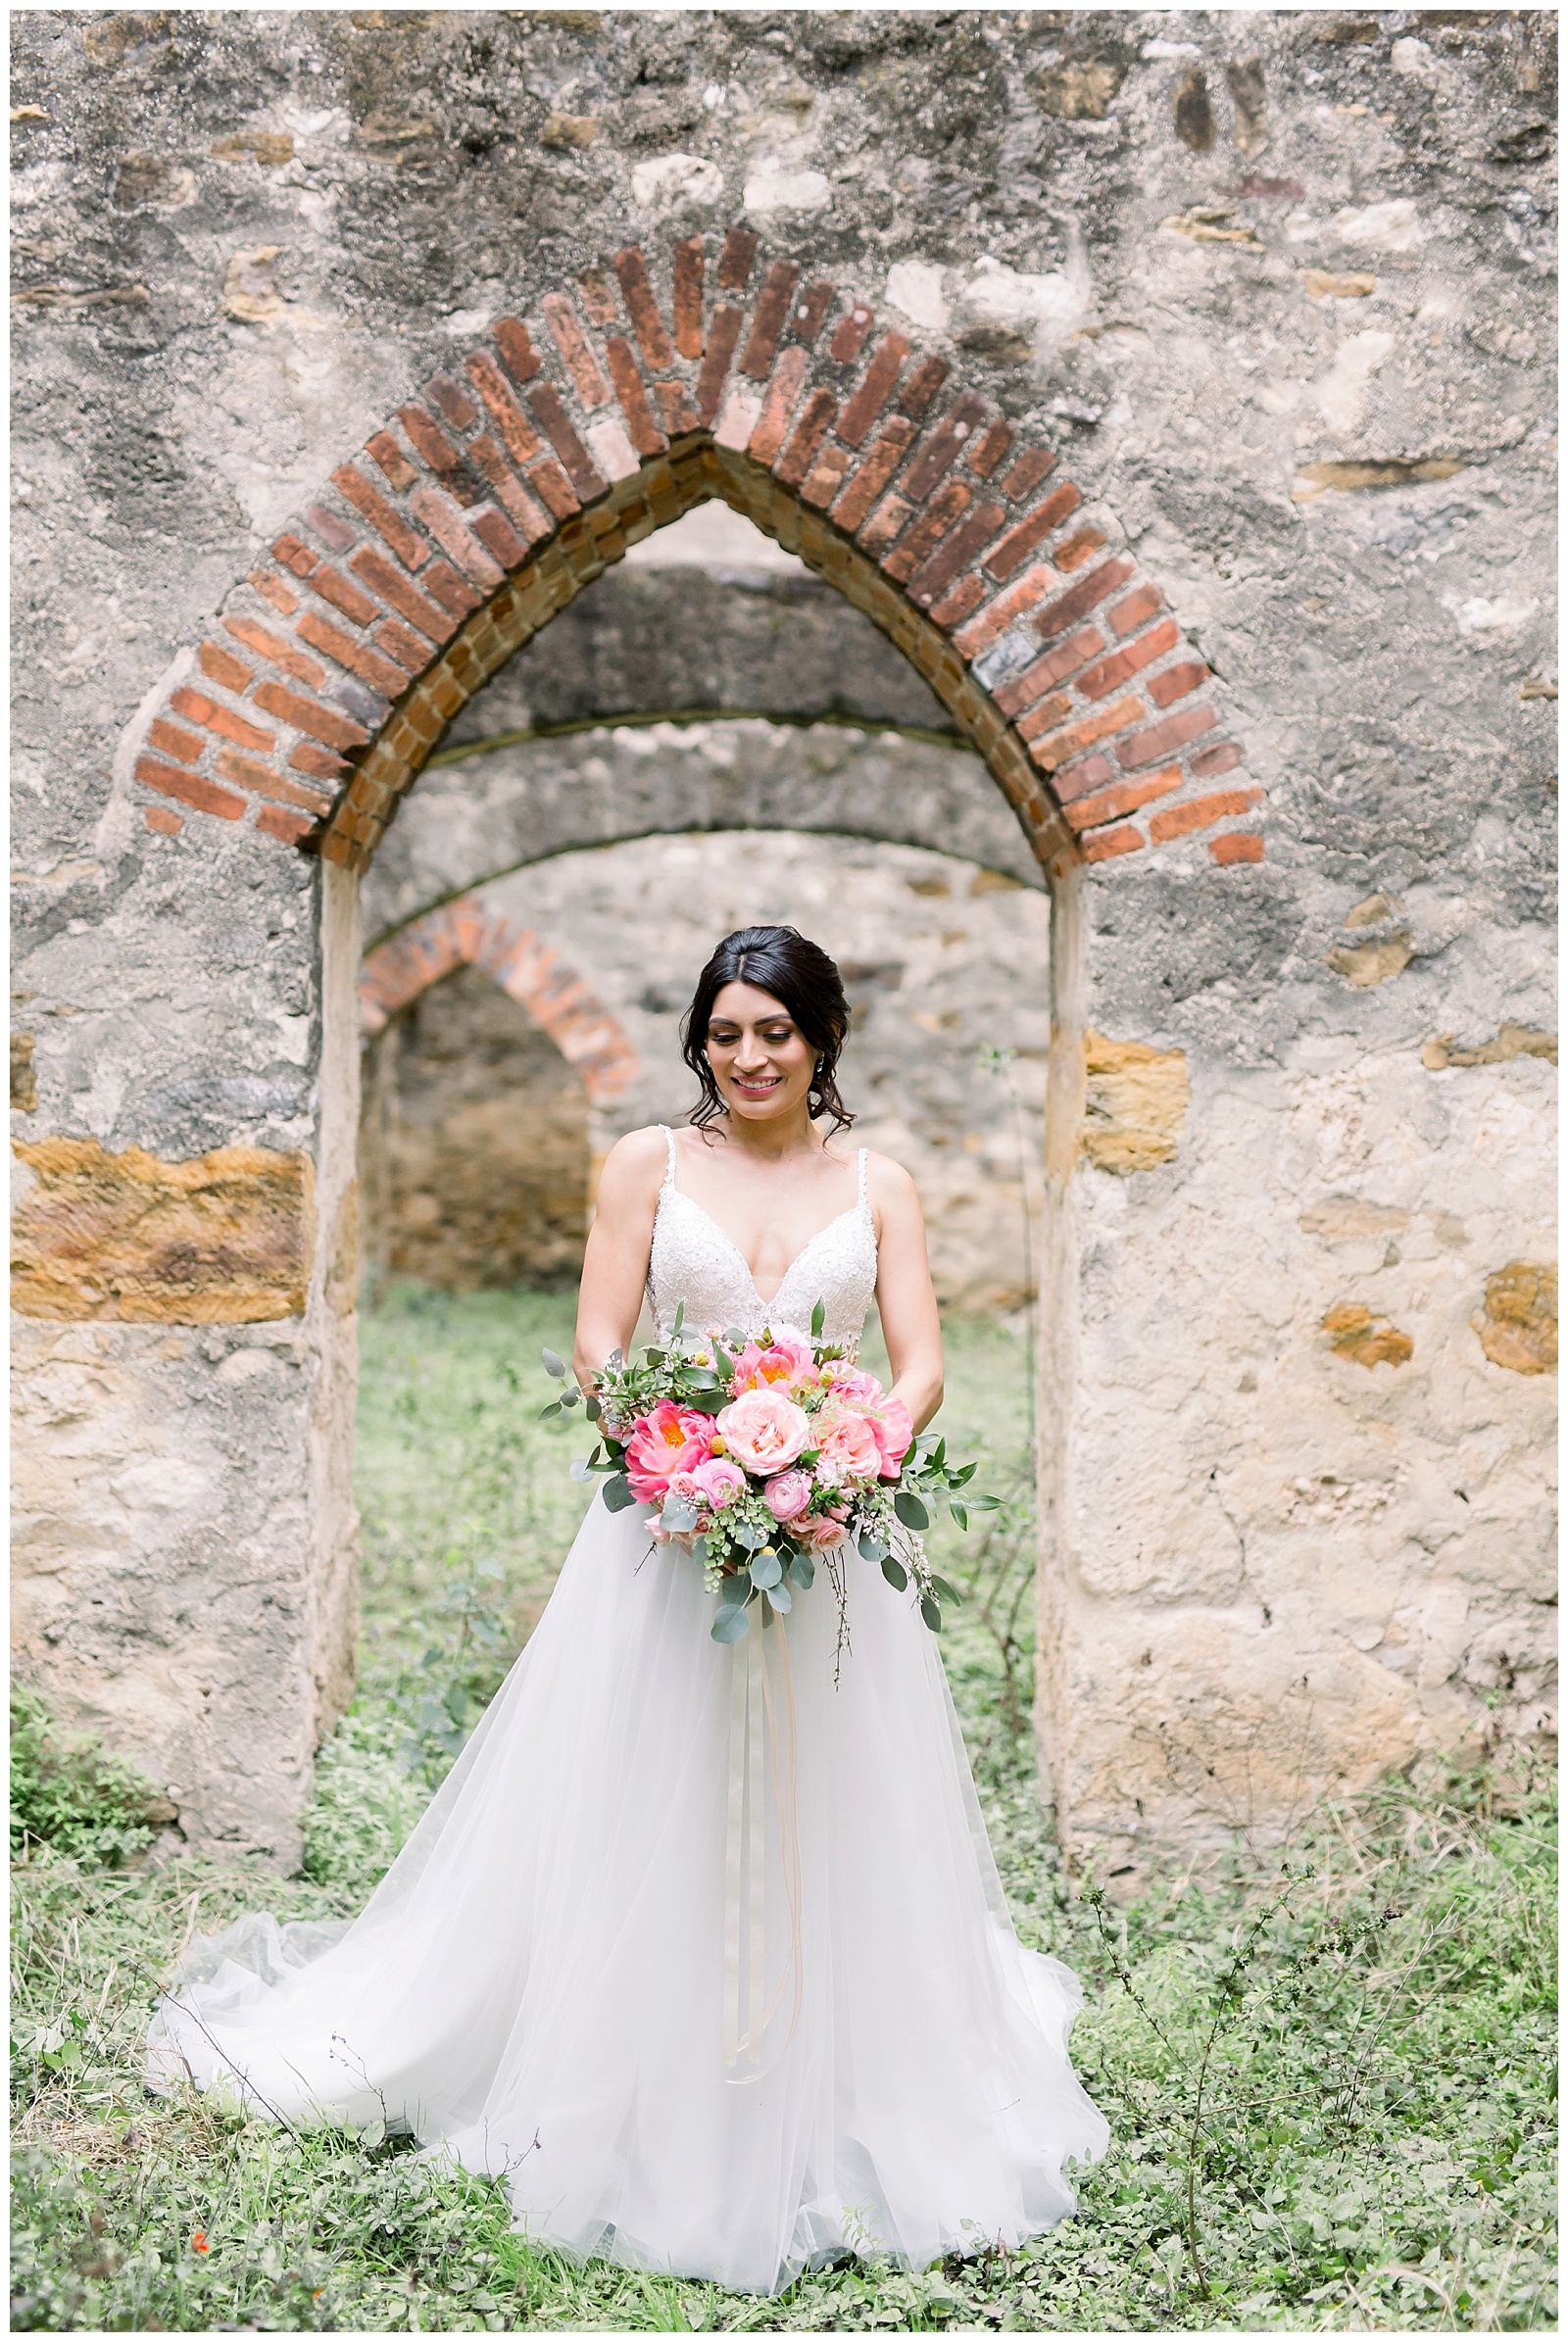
(1332, 2084)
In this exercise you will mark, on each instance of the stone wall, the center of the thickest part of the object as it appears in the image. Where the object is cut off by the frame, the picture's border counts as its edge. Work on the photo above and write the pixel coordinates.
(1273, 288)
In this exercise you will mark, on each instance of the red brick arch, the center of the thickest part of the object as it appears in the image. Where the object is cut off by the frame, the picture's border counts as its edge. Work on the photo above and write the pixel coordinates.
(463, 934)
(514, 480)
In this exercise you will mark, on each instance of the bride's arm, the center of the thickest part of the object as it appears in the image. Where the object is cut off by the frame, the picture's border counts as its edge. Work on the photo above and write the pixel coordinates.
(904, 1296)
(615, 1267)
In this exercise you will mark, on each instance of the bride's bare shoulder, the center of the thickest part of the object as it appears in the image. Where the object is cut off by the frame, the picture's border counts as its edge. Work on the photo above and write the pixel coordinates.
(889, 1186)
(633, 1170)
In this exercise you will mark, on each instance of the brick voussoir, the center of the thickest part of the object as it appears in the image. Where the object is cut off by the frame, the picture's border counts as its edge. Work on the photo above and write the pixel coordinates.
(1165, 739)
(307, 715)
(1091, 590)
(1057, 748)
(1201, 812)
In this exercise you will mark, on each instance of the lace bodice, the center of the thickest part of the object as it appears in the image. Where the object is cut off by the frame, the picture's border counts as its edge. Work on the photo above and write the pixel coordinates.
(693, 1260)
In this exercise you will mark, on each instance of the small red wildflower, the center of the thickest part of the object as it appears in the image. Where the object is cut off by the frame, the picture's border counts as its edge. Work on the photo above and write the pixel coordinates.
(198, 2243)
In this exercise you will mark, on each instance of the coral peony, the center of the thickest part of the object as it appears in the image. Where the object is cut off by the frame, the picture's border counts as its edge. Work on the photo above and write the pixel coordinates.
(847, 1446)
(670, 1439)
(719, 1481)
(789, 1359)
(788, 1495)
(764, 1431)
(894, 1431)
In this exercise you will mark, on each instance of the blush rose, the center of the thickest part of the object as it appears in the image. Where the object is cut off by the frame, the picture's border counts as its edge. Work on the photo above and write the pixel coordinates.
(764, 1431)
(846, 1442)
(788, 1495)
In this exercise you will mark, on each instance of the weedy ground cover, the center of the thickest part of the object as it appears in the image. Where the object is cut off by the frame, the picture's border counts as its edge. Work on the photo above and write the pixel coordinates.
(1330, 2074)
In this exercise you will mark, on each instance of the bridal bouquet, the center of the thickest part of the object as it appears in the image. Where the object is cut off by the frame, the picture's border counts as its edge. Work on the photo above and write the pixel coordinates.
(765, 1456)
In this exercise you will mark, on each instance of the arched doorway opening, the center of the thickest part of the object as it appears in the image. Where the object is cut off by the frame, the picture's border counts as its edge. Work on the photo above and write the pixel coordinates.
(488, 502)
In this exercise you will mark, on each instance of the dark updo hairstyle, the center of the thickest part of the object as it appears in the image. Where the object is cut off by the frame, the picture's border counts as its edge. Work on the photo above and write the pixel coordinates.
(800, 975)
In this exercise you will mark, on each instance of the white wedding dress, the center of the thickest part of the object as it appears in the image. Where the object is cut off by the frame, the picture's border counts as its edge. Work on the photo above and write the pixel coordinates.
(707, 1954)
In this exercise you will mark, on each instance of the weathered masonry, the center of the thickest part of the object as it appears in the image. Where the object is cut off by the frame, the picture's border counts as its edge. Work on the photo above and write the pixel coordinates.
(1151, 518)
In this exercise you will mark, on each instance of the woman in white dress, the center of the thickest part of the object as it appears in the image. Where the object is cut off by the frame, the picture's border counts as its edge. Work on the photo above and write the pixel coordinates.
(701, 1946)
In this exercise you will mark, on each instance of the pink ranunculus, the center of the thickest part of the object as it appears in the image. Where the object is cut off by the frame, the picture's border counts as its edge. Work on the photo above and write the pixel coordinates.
(895, 1429)
(668, 1440)
(788, 1495)
(852, 1385)
(789, 1360)
(764, 1431)
(820, 1535)
(719, 1481)
(846, 1442)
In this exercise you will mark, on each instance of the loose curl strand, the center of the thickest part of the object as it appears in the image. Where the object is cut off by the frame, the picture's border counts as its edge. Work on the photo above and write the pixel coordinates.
(800, 975)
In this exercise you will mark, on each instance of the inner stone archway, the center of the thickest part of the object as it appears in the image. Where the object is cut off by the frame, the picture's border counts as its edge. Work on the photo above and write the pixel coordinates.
(487, 1068)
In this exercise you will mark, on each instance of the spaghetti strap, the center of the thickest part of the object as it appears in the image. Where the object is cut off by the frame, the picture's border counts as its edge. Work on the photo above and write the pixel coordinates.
(669, 1150)
(861, 1176)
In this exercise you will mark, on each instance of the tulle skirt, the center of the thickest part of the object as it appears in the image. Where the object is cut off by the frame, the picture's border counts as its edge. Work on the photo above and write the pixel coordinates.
(703, 1951)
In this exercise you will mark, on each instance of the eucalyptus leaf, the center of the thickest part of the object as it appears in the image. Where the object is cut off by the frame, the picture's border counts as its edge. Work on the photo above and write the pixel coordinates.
(619, 1497)
(767, 1570)
(948, 1594)
(734, 1339)
(555, 1366)
(870, 1548)
(570, 1399)
(677, 1516)
(931, 1614)
(595, 1410)
(803, 1569)
(894, 1572)
(781, 1597)
(730, 1622)
(747, 1534)
(554, 1408)
(910, 1511)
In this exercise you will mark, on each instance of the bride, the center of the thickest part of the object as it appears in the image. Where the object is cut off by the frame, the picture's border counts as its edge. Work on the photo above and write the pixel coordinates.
(703, 1950)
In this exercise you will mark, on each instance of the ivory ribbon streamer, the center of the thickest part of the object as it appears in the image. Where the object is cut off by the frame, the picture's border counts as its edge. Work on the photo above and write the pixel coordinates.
(754, 1727)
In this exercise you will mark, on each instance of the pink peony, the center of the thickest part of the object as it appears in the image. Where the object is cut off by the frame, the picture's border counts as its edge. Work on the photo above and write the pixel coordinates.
(764, 1431)
(790, 1360)
(894, 1429)
(852, 1385)
(788, 1495)
(846, 1443)
(670, 1439)
(719, 1481)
